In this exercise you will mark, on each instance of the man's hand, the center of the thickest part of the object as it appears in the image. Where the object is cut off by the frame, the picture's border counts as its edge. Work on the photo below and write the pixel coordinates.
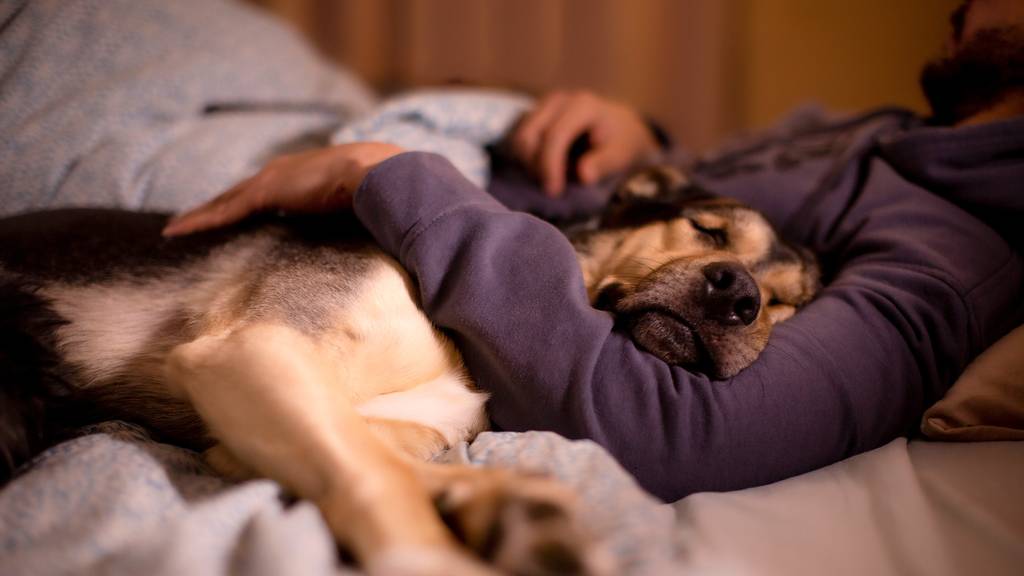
(618, 137)
(322, 180)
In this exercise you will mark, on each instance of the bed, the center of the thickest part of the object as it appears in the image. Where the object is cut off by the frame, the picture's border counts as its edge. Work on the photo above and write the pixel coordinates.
(126, 125)
(115, 502)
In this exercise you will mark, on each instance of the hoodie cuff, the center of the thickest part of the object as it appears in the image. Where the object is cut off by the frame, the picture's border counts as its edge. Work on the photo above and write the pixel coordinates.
(403, 195)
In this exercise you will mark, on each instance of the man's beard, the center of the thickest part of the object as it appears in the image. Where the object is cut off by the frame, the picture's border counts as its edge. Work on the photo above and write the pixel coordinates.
(983, 71)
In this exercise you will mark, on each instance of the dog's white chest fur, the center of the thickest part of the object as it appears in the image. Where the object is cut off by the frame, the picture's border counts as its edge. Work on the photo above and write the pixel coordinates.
(384, 333)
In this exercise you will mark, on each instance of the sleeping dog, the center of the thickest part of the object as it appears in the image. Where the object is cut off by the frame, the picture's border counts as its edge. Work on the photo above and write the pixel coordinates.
(294, 349)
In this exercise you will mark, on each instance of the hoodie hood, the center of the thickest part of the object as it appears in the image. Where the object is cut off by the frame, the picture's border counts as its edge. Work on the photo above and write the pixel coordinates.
(980, 168)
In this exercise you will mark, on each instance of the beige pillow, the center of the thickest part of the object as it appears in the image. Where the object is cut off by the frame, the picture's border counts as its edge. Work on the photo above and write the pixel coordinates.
(987, 402)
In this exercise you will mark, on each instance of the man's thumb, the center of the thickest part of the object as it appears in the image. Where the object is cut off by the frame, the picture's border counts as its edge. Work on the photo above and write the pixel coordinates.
(597, 164)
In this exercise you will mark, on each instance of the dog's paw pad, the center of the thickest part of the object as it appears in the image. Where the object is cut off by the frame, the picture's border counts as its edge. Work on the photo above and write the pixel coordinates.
(522, 524)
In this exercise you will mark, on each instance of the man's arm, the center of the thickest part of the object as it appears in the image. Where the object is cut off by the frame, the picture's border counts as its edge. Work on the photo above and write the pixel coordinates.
(851, 371)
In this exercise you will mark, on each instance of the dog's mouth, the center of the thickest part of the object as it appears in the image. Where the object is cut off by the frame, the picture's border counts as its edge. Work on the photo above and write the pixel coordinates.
(675, 337)
(668, 336)
(655, 328)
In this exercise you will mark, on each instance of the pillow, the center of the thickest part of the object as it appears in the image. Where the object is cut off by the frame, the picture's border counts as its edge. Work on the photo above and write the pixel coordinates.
(987, 401)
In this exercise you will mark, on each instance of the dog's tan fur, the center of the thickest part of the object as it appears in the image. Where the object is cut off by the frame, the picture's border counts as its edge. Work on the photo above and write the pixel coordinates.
(346, 416)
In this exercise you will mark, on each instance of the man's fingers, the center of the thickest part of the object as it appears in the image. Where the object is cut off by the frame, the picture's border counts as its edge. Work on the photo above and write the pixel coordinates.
(203, 218)
(600, 162)
(554, 146)
(228, 208)
(526, 139)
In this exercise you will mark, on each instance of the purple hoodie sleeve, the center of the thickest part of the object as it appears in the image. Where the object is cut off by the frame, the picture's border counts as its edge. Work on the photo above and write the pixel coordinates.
(917, 294)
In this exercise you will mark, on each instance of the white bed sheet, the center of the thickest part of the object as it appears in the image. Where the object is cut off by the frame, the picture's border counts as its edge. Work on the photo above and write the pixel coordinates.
(905, 508)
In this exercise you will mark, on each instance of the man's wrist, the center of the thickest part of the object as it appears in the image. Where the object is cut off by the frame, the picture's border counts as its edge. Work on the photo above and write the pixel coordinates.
(407, 191)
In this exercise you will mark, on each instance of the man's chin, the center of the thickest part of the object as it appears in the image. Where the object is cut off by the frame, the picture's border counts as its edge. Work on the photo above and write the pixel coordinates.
(982, 72)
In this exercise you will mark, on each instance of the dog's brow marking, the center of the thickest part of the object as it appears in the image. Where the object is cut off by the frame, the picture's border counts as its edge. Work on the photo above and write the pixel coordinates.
(709, 220)
(643, 186)
(750, 239)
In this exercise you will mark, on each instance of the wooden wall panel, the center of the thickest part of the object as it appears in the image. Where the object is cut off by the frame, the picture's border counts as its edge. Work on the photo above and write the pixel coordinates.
(664, 56)
(704, 68)
(846, 55)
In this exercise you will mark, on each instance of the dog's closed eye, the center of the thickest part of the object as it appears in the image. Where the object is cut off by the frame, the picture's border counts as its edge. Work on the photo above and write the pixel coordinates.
(718, 236)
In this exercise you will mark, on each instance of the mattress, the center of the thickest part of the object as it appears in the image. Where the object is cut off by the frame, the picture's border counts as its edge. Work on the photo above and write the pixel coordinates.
(905, 508)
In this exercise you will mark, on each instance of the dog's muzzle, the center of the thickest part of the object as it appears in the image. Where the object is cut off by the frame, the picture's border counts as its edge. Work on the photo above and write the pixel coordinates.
(689, 313)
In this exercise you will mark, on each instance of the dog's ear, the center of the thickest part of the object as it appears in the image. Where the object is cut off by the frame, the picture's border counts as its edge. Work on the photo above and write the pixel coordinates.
(652, 194)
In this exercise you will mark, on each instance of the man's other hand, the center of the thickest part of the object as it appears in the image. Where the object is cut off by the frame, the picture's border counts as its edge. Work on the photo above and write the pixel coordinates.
(617, 133)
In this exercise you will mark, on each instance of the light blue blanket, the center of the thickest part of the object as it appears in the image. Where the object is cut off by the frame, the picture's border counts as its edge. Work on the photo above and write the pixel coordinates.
(455, 122)
(161, 105)
(115, 502)
(155, 104)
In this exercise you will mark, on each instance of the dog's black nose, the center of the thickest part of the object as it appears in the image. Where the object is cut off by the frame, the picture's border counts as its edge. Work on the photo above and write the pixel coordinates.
(730, 294)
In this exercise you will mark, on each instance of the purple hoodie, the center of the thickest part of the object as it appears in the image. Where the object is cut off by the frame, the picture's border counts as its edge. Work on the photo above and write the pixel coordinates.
(917, 285)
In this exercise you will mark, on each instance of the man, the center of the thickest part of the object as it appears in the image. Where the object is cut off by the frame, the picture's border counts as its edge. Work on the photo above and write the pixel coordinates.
(915, 224)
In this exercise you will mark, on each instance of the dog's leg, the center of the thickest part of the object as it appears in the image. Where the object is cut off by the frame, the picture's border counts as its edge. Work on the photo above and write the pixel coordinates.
(523, 523)
(415, 440)
(267, 397)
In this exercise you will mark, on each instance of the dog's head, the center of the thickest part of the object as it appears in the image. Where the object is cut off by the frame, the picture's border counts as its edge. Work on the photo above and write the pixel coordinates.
(695, 279)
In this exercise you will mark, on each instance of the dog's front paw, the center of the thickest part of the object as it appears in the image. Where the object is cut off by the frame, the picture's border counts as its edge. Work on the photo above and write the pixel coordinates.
(521, 524)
